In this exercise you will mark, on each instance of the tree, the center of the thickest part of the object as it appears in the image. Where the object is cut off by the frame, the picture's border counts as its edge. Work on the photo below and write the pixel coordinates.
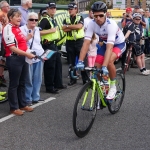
(92, 1)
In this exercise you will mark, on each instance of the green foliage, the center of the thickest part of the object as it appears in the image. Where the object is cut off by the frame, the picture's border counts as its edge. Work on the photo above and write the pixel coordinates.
(92, 1)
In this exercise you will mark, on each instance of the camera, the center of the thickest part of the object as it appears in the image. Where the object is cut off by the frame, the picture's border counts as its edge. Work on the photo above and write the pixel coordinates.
(127, 15)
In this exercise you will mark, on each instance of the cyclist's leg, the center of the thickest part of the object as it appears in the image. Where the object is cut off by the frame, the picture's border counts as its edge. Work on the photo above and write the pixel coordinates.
(116, 52)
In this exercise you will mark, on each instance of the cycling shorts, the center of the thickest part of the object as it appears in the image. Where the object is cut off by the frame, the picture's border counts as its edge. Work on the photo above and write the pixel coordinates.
(137, 50)
(117, 49)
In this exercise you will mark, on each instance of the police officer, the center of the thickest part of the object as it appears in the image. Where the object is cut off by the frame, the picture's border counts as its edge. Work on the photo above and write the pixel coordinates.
(73, 26)
(49, 37)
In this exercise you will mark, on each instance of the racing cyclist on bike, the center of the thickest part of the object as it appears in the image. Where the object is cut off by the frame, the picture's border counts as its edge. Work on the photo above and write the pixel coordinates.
(113, 44)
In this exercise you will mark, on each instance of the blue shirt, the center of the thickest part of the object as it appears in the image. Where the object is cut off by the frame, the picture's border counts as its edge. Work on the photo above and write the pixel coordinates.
(24, 14)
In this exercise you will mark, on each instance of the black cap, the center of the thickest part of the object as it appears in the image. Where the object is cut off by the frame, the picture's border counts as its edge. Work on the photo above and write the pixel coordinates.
(136, 7)
(72, 5)
(43, 10)
(51, 5)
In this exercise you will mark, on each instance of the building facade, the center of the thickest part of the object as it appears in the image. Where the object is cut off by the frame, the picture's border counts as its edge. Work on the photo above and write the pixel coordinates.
(129, 3)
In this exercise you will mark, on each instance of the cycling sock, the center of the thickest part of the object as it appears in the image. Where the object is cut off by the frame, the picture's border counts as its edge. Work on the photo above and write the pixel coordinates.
(142, 69)
(113, 83)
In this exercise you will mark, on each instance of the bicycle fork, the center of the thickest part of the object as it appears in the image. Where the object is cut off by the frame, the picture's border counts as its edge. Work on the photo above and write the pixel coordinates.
(92, 98)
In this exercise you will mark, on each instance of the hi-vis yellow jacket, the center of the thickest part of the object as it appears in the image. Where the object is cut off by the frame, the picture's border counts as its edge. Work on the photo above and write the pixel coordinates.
(51, 36)
(74, 34)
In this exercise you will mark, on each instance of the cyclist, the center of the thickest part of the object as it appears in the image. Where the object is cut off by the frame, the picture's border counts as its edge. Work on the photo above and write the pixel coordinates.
(134, 34)
(113, 44)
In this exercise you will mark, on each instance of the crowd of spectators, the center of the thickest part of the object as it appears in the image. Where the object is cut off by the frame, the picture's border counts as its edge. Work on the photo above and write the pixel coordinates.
(27, 34)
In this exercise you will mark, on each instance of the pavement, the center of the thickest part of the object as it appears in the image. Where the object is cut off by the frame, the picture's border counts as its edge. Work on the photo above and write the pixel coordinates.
(49, 126)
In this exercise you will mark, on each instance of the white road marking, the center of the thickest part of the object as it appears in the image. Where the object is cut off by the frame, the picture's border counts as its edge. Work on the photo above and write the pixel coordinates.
(36, 105)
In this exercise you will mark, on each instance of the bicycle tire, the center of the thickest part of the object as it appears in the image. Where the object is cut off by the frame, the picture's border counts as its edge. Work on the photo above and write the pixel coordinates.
(115, 105)
(82, 115)
(127, 62)
(4, 84)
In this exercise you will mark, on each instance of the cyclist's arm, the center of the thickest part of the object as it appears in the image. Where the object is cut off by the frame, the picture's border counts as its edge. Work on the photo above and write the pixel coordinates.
(127, 34)
(84, 49)
(130, 29)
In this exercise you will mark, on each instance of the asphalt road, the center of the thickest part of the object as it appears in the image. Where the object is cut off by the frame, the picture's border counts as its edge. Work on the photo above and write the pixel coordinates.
(49, 127)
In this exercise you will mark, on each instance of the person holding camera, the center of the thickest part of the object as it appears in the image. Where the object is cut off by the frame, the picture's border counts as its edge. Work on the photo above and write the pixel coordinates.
(128, 17)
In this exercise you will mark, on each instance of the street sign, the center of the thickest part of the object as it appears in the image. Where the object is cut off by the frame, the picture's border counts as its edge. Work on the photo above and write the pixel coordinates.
(119, 4)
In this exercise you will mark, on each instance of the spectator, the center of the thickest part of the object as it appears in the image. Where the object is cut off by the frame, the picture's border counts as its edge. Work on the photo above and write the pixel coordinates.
(92, 52)
(128, 18)
(87, 20)
(34, 80)
(73, 26)
(25, 5)
(15, 46)
(4, 6)
(42, 13)
(53, 66)
(147, 32)
(134, 34)
(108, 14)
(142, 22)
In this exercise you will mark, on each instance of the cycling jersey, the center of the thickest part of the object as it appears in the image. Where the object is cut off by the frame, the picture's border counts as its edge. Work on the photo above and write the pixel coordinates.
(12, 36)
(108, 32)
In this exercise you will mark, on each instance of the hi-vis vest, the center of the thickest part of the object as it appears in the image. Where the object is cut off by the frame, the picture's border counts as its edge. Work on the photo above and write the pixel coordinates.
(51, 36)
(74, 34)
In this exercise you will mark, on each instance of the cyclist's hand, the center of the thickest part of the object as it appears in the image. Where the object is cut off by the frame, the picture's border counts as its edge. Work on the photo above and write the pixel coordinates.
(105, 74)
(80, 65)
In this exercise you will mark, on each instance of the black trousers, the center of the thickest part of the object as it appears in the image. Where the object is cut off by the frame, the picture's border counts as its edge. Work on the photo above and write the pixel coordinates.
(18, 70)
(52, 69)
(73, 49)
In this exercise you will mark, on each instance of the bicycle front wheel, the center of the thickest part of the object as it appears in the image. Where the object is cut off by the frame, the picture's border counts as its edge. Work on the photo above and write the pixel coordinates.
(115, 105)
(84, 112)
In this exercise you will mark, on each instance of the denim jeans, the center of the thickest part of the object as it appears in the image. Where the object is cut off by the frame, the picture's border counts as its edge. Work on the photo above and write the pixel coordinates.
(17, 68)
(33, 82)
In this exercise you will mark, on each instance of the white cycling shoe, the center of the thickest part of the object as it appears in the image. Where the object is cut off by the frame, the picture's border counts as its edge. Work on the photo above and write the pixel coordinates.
(111, 93)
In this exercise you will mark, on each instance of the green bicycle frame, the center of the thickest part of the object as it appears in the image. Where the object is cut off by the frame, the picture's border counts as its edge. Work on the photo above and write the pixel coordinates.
(100, 93)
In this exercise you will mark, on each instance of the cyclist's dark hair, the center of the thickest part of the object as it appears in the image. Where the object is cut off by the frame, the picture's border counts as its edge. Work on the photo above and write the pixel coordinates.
(99, 6)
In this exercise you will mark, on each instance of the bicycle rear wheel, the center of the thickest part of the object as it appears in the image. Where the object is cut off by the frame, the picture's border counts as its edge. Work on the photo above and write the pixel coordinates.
(127, 62)
(83, 115)
(117, 101)
(4, 83)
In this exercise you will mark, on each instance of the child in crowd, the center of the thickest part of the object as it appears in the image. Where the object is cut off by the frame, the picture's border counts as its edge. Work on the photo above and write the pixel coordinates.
(92, 52)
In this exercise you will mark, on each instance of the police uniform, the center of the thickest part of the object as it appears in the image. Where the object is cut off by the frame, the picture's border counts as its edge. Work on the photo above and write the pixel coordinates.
(74, 41)
(53, 66)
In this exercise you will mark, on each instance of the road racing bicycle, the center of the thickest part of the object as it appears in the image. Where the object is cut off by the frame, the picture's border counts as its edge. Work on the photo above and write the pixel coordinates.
(92, 96)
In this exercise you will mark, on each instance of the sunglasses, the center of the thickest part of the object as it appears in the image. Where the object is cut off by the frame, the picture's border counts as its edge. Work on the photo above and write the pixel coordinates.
(137, 19)
(100, 15)
(36, 20)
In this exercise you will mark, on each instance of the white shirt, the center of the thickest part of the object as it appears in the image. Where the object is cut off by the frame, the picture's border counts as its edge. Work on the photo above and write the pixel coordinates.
(109, 32)
(86, 22)
(36, 46)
